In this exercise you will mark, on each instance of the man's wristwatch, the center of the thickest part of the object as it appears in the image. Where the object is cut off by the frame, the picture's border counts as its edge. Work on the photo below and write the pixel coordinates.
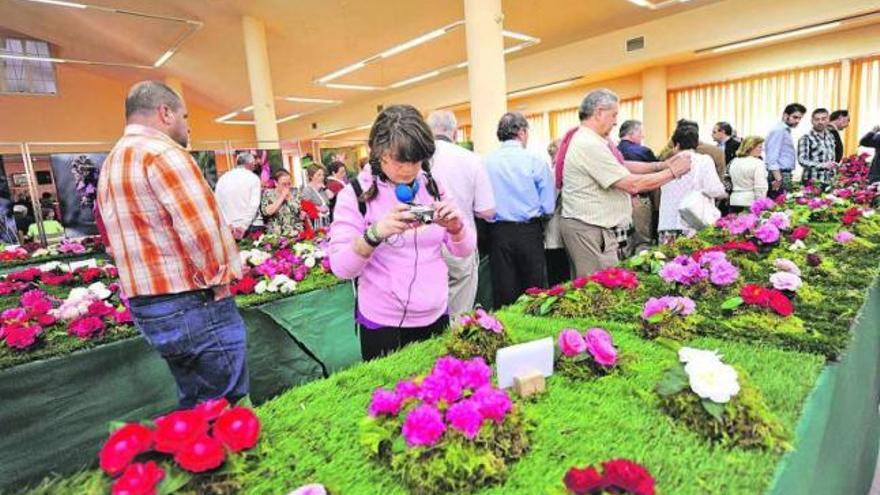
(371, 236)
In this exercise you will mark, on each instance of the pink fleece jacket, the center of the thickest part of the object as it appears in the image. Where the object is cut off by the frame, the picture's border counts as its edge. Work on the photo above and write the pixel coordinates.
(407, 266)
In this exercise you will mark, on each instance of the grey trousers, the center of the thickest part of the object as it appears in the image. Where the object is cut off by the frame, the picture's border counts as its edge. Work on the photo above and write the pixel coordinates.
(462, 282)
(590, 248)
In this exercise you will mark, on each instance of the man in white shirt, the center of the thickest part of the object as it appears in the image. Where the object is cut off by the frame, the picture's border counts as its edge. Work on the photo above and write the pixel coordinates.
(238, 195)
(463, 176)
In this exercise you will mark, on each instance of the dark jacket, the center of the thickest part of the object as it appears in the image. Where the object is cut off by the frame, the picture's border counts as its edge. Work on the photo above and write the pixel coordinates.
(838, 143)
(872, 140)
(635, 152)
(730, 149)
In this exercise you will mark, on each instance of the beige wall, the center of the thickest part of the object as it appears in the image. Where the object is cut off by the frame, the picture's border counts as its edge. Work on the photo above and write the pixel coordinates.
(89, 107)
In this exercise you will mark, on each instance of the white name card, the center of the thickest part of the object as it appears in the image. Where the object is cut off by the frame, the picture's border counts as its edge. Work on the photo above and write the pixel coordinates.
(523, 359)
(90, 263)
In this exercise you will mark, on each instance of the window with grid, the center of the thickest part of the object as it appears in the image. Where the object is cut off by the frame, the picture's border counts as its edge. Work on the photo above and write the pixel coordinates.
(26, 76)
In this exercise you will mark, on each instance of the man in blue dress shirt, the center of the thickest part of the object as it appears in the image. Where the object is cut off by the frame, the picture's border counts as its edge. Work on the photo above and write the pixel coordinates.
(779, 152)
(524, 194)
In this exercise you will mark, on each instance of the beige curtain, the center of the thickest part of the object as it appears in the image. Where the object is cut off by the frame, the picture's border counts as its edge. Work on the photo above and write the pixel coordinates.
(864, 104)
(464, 134)
(753, 105)
(630, 109)
(563, 120)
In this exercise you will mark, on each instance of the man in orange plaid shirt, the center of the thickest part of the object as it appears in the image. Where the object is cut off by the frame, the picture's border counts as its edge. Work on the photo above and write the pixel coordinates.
(175, 254)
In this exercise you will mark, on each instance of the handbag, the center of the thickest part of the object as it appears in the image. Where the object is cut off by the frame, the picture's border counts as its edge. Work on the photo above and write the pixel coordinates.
(698, 211)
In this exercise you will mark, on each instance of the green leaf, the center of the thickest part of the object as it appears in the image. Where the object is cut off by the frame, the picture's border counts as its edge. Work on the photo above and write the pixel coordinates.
(175, 479)
(372, 434)
(399, 445)
(545, 308)
(674, 380)
(732, 303)
(713, 408)
(656, 266)
(656, 318)
(637, 261)
(115, 425)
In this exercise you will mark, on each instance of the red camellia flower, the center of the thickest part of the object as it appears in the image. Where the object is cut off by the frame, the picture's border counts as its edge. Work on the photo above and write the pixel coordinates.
(309, 208)
(211, 409)
(55, 280)
(90, 274)
(754, 294)
(628, 476)
(800, 233)
(179, 429)
(139, 479)
(123, 317)
(19, 336)
(244, 286)
(556, 291)
(613, 278)
(202, 454)
(86, 327)
(583, 481)
(46, 320)
(26, 275)
(579, 282)
(238, 429)
(100, 308)
(851, 215)
(534, 291)
(777, 301)
(111, 271)
(745, 246)
(123, 446)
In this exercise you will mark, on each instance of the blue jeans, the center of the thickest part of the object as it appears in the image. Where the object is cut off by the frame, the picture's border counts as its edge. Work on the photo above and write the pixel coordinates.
(202, 340)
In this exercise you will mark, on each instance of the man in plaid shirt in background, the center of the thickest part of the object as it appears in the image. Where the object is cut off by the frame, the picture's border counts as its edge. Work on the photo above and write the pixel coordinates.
(816, 151)
(175, 254)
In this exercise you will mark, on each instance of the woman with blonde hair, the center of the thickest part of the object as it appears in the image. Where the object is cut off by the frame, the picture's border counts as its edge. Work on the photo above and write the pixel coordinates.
(748, 174)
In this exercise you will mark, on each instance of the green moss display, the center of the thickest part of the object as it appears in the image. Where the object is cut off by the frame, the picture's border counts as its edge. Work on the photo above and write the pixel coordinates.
(590, 301)
(744, 421)
(466, 343)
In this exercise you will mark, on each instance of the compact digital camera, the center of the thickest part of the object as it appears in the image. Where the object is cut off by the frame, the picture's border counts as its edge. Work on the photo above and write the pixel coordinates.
(424, 214)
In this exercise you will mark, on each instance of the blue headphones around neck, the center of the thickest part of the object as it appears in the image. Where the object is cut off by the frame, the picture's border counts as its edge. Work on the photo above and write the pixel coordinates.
(406, 193)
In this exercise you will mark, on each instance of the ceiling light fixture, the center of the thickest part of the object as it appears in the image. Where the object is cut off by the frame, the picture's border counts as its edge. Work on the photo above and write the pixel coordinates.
(347, 130)
(525, 40)
(643, 3)
(289, 117)
(310, 100)
(226, 119)
(771, 37)
(542, 88)
(35, 59)
(164, 58)
(60, 3)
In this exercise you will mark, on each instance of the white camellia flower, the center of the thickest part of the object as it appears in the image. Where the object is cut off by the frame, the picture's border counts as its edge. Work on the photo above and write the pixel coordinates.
(659, 255)
(868, 213)
(786, 265)
(690, 355)
(99, 290)
(50, 266)
(261, 287)
(797, 245)
(288, 287)
(40, 252)
(278, 281)
(309, 262)
(712, 380)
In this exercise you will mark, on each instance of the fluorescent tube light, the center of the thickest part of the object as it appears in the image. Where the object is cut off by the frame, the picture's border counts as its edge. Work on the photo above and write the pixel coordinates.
(541, 89)
(35, 59)
(518, 36)
(289, 117)
(164, 58)
(61, 3)
(422, 77)
(643, 3)
(413, 43)
(775, 37)
(357, 87)
(341, 72)
(301, 99)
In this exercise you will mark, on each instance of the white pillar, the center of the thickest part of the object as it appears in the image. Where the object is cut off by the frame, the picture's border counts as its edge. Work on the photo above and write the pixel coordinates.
(486, 72)
(260, 77)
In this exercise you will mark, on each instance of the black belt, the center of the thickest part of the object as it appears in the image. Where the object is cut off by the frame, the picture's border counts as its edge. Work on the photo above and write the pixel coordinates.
(526, 222)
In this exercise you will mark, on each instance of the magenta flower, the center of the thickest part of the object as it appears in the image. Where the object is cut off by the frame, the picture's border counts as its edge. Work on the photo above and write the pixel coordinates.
(32, 297)
(579, 282)
(571, 342)
(14, 314)
(653, 306)
(601, 347)
(86, 327)
(465, 417)
(494, 404)
(423, 426)
(476, 374)
(671, 272)
(438, 387)
(785, 281)
(406, 390)
(761, 204)
(300, 273)
(843, 237)
(683, 306)
(712, 257)
(384, 402)
(465, 320)
(780, 220)
(723, 273)
(448, 365)
(683, 270)
(767, 233)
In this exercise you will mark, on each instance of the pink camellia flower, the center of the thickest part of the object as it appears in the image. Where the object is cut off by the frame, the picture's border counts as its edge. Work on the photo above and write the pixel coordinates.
(86, 328)
(423, 426)
(712, 257)
(780, 220)
(785, 281)
(571, 342)
(601, 347)
(384, 402)
(123, 317)
(14, 314)
(300, 273)
(312, 489)
(683, 306)
(556, 291)
(448, 365)
(32, 298)
(476, 374)
(494, 404)
(489, 322)
(843, 237)
(465, 417)
(786, 265)
(325, 264)
(767, 233)
(761, 204)
(653, 306)
(800, 233)
(723, 273)
(534, 291)
(579, 282)
(742, 224)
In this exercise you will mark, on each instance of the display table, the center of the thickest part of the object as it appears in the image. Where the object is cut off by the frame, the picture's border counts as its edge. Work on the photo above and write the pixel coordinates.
(56, 412)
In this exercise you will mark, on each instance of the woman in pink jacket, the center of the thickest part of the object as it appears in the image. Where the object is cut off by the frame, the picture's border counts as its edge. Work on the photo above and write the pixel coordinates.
(391, 252)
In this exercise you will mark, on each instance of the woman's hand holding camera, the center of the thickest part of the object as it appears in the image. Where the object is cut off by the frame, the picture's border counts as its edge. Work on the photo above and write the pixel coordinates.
(397, 221)
(447, 216)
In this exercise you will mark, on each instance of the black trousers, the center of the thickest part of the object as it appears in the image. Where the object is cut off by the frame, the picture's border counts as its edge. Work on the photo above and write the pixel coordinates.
(517, 259)
(558, 267)
(380, 342)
